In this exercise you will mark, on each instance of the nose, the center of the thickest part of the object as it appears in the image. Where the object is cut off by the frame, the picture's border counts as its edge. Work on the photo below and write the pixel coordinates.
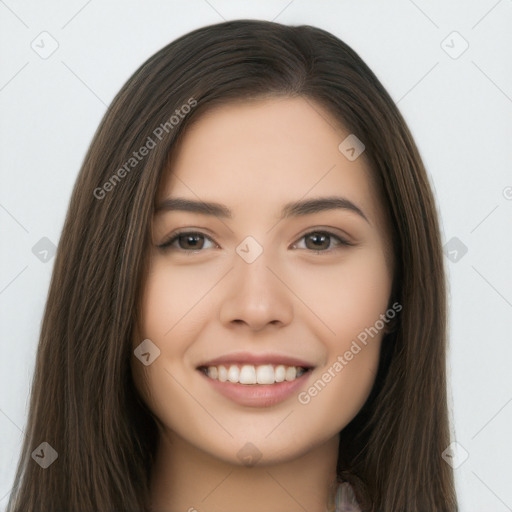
(256, 296)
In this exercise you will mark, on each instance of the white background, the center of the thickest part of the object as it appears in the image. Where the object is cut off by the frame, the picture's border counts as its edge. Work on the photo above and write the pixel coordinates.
(459, 111)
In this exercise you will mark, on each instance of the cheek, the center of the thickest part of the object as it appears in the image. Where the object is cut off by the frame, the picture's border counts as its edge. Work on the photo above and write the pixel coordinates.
(174, 307)
(158, 309)
(174, 297)
(166, 300)
(347, 297)
(159, 319)
(339, 390)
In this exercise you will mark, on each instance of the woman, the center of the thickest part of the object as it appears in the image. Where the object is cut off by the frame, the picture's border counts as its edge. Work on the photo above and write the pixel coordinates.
(247, 310)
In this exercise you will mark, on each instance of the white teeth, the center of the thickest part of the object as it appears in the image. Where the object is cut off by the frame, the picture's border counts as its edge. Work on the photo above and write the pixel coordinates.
(250, 374)
(247, 375)
(233, 373)
(291, 373)
(280, 373)
(223, 373)
(265, 374)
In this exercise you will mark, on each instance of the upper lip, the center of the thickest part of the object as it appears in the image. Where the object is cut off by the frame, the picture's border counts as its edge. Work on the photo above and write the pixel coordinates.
(256, 359)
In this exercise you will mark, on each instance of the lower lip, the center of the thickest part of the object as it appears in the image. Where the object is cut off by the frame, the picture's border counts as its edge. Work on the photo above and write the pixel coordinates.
(258, 395)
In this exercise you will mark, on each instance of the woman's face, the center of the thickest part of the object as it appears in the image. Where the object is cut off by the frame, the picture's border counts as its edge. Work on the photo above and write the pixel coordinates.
(256, 290)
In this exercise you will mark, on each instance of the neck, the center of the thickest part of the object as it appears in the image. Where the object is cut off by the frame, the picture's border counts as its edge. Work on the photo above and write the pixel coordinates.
(185, 478)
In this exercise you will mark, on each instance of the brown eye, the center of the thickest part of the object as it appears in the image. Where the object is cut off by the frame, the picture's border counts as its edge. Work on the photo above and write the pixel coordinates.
(322, 241)
(318, 241)
(192, 241)
(185, 242)
(189, 241)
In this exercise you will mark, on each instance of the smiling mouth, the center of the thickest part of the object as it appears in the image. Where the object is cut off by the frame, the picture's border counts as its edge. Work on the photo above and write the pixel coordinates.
(253, 375)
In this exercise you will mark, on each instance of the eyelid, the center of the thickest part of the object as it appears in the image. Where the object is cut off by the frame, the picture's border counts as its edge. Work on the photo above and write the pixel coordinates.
(342, 241)
(165, 245)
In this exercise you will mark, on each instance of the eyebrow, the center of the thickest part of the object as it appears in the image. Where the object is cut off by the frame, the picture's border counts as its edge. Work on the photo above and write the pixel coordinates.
(293, 209)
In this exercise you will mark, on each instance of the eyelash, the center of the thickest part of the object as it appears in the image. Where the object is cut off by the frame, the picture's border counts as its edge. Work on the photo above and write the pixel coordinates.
(166, 246)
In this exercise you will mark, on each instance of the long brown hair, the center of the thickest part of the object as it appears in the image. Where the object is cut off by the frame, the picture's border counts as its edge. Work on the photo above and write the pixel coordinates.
(83, 400)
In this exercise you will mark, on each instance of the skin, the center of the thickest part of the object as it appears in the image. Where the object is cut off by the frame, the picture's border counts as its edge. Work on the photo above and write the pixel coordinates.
(254, 157)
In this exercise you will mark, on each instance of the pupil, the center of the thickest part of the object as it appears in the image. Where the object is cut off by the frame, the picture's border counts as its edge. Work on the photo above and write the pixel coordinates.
(192, 240)
(318, 238)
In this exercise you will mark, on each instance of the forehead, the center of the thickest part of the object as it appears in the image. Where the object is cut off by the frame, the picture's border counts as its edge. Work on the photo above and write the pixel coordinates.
(267, 152)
